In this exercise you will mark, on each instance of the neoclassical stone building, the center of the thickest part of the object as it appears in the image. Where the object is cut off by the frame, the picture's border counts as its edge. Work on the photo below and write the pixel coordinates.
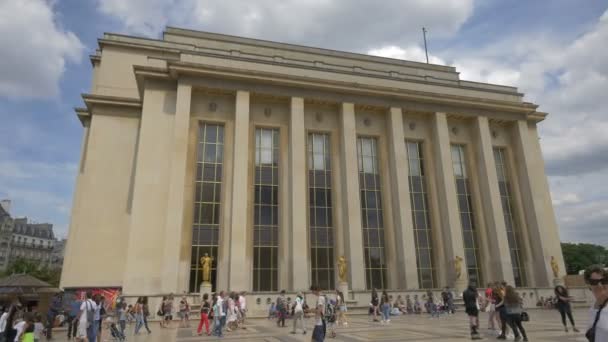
(276, 159)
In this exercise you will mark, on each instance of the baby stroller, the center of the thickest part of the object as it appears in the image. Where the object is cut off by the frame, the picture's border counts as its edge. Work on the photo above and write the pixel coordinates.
(116, 334)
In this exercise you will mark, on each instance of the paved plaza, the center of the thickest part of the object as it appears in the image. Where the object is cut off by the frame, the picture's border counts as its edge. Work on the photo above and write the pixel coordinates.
(545, 325)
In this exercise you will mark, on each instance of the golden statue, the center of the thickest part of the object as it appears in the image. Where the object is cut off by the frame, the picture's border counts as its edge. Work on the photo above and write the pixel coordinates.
(342, 268)
(458, 266)
(554, 267)
(206, 261)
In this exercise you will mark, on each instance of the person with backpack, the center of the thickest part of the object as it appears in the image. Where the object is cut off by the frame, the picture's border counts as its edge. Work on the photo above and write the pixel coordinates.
(597, 279)
(205, 309)
(298, 313)
(330, 316)
(318, 333)
(86, 317)
(471, 307)
(281, 309)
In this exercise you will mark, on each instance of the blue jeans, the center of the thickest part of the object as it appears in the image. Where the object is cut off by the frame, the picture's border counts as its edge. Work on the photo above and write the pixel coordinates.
(139, 322)
(92, 331)
(217, 326)
(386, 312)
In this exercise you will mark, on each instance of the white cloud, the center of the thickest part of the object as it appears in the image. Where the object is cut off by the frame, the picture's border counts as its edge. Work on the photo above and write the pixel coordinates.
(565, 198)
(411, 53)
(354, 25)
(34, 49)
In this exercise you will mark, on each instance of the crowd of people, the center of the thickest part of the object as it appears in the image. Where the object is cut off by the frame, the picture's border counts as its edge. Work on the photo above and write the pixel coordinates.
(222, 312)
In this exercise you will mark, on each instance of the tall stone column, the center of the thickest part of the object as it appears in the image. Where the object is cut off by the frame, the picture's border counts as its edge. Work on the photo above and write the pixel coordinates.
(405, 248)
(353, 235)
(239, 266)
(174, 225)
(298, 251)
(542, 227)
(451, 228)
(500, 257)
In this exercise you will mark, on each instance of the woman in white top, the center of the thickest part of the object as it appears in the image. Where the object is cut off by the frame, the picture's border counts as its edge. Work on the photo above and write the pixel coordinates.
(231, 315)
(597, 279)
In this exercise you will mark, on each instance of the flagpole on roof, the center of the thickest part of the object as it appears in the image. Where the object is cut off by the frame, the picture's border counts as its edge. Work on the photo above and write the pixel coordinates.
(425, 48)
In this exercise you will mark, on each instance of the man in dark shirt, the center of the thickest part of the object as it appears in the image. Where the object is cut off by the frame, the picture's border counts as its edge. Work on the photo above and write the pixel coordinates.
(470, 304)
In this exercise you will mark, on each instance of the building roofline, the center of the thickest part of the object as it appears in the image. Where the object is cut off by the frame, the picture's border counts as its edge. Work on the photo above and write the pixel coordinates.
(303, 48)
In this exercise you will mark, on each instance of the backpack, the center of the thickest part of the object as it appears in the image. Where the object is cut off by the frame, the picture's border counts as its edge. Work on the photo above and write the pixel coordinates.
(330, 314)
(89, 311)
(280, 305)
(298, 306)
(225, 306)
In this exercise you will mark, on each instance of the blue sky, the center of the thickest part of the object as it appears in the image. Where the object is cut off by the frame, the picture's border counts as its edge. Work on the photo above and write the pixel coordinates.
(554, 51)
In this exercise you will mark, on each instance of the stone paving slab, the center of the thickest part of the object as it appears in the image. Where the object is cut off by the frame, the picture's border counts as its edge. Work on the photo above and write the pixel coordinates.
(545, 326)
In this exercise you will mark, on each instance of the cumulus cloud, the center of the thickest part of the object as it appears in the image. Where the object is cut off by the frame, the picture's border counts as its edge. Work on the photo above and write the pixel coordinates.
(354, 25)
(410, 53)
(35, 49)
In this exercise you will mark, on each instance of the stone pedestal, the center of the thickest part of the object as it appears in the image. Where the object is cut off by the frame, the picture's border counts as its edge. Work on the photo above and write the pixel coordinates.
(205, 288)
(343, 287)
(558, 281)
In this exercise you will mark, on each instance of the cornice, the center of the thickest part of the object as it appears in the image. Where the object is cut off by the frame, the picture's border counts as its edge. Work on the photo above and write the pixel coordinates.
(83, 115)
(303, 49)
(177, 69)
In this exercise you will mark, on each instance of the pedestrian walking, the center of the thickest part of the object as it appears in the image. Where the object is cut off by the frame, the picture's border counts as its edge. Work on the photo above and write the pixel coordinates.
(122, 317)
(471, 305)
(146, 312)
(281, 309)
(513, 309)
(342, 309)
(563, 306)
(217, 314)
(243, 307)
(298, 313)
(205, 309)
(375, 302)
(139, 315)
(386, 308)
(318, 333)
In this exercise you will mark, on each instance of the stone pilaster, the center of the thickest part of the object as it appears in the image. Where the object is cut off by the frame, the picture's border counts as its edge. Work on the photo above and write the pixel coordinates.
(451, 228)
(501, 267)
(239, 265)
(298, 252)
(353, 236)
(536, 199)
(405, 248)
(174, 225)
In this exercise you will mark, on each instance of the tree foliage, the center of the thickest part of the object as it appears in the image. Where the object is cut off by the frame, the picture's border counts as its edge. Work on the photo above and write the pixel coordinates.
(578, 256)
(44, 273)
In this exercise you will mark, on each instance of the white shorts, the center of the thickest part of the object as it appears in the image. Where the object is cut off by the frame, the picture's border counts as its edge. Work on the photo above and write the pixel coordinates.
(82, 329)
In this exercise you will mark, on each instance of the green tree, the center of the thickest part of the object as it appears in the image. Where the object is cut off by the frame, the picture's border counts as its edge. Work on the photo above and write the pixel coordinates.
(32, 268)
(577, 256)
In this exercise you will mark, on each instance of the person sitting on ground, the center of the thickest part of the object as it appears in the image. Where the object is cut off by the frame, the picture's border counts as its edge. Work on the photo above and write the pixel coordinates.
(400, 304)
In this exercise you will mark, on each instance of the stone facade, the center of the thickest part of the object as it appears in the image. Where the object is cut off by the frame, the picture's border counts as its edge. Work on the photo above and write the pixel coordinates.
(418, 178)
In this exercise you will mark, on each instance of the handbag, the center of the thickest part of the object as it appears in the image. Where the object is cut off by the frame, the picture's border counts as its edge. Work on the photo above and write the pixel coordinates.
(590, 334)
(525, 317)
